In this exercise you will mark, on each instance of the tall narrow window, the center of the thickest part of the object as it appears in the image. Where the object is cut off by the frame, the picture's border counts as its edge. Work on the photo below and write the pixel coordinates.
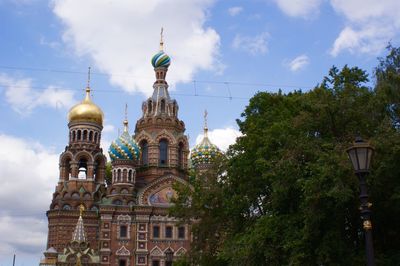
(150, 107)
(79, 135)
(163, 152)
(156, 231)
(145, 151)
(181, 232)
(85, 135)
(162, 106)
(122, 263)
(123, 231)
(82, 168)
(168, 232)
(155, 263)
(180, 155)
(91, 136)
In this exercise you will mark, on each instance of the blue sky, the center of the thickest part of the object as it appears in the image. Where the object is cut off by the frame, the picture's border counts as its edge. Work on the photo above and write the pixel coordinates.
(219, 49)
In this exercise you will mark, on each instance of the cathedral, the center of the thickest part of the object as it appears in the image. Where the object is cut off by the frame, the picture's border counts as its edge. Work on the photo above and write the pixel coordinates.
(120, 217)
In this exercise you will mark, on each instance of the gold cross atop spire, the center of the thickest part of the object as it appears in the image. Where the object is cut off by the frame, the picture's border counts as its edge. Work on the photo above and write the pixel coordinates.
(126, 118)
(205, 123)
(161, 39)
(88, 79)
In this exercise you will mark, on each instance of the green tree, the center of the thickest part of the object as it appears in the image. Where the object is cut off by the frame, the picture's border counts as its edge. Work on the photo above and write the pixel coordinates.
(286, 193)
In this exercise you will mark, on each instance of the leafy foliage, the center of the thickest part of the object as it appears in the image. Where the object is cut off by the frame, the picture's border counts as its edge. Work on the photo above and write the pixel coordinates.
(286, 193)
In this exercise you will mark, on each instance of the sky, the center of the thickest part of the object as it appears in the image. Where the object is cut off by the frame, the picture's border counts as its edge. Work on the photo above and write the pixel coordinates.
(222, 53)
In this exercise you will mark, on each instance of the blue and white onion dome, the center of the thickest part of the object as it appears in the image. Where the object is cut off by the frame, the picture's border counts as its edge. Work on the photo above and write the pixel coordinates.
(161, 59)
(205, 152)
(124, 147)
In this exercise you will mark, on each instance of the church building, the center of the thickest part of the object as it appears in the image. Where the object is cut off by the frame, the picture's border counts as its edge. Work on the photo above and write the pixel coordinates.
(124, 221)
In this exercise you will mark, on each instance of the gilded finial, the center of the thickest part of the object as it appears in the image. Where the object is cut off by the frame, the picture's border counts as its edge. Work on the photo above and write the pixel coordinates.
(81, 209)
(161, 39)
(126, 118)
(88, 80)
(205, 123)
(88, 86)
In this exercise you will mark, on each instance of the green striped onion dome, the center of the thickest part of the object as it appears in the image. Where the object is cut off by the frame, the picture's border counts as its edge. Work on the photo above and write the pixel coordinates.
(161, 59)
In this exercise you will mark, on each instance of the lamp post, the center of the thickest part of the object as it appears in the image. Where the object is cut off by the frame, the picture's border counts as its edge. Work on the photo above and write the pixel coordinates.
(169, 257)
(360, 155)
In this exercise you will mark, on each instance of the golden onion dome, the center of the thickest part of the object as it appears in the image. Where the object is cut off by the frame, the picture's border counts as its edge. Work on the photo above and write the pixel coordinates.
(86, 111)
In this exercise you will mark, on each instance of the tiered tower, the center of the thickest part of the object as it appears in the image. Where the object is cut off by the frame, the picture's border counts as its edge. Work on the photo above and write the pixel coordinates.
(159, 131)
(82, 175)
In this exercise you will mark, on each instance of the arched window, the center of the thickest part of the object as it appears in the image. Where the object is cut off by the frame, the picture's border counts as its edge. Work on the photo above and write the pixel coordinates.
(180, 155)
(130, 176)
(163, 152)
(67, 207)
(82, 168)
(79, 135)
(145, 151)
(67, 169)
(73, 135)
(117, 202)
(119, 175)
(95, 137)
(162, 106)
(91, 136)
(150, 107)
(85, 135)
(124, 175)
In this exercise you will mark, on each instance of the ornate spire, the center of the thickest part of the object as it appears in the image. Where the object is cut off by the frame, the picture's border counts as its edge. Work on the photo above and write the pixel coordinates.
(87, 98)
(205, 124)
(161, 40)
(126, 119)
(79, 232)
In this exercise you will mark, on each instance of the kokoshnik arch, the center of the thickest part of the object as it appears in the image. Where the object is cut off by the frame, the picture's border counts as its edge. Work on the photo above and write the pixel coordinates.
(124, 222)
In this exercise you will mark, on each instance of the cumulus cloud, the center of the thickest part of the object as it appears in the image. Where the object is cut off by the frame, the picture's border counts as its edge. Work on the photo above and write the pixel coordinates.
(251, 44)
(298, 63)
(371, 25)
(222, 137)
(235, 10)
(28, 174)
(121, 36)
(299, 8)
(23, 98)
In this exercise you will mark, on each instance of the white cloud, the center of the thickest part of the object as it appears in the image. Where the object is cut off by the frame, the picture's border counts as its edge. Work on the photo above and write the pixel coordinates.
(235, 10)
(28, 174)
(299, 8)
(298, 63)
(371, 25)
(121, 36)
(222, 137)
(23, 98)
(253, 45)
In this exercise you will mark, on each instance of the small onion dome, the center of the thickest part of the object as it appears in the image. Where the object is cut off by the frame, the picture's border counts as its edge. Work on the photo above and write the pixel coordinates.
(86, 111)
(205, 152)
(161, 59)
(124, 147)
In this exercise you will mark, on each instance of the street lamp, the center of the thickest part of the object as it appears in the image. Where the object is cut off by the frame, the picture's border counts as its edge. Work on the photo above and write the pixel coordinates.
(360, 155)
(169, 256)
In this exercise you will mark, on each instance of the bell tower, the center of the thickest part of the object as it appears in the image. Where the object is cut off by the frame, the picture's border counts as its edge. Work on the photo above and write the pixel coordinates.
(82, 175)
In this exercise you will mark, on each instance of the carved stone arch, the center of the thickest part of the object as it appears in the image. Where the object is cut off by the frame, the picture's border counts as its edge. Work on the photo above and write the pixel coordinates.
(156, 252)
(164, 134)
(143, 135)
(64, 156)
(180, 252)
(83, 154)
(156, 185)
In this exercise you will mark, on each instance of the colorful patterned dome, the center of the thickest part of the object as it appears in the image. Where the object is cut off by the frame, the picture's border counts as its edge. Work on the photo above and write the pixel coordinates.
(161, 59)
(205, 152)
(124, 147)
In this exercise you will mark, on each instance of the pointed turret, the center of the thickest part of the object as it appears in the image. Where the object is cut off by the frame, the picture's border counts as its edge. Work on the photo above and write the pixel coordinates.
(79, 234)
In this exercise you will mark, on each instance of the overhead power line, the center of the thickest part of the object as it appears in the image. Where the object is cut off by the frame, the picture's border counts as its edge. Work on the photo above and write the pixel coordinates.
(237, 83)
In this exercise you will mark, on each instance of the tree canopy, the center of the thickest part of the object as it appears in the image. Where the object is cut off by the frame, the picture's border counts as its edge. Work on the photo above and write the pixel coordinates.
(286, 194)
